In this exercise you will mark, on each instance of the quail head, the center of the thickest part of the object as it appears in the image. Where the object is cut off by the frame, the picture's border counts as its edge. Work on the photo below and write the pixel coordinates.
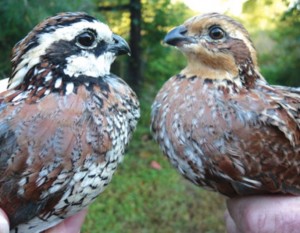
(64, 121)
(219, 121)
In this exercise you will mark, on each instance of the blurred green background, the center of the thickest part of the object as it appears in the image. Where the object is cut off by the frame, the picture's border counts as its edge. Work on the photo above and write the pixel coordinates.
(147, 195)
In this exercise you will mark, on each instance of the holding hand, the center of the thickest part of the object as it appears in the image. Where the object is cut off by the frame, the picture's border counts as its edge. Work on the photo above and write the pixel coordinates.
(263, 214)
(69, 225)
(4, 223)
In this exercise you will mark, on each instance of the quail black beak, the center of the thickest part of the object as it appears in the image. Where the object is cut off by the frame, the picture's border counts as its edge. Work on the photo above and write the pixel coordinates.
(120, 46)
(177, 37)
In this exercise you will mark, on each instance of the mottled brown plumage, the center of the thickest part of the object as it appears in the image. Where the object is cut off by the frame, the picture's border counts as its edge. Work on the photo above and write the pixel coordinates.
(64, 121)
(219, 122)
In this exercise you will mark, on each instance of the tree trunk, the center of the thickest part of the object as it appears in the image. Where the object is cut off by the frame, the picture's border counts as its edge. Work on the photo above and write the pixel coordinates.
(135, 76)
(134, 70)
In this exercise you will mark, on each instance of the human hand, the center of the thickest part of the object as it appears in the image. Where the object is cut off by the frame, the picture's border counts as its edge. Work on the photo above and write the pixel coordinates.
(4, 223)
(263, 214)
(69, 225)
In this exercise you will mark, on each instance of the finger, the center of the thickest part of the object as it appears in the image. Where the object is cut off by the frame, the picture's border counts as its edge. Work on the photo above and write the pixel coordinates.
(70, 225)
(4, 223)
(265, 214)
(230, 224)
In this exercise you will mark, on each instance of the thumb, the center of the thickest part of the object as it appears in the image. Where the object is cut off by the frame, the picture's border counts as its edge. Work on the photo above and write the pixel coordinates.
(4, 224)
(69, 225)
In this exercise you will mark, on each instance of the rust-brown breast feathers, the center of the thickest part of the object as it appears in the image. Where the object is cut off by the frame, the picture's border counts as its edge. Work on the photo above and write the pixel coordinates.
(41, 146)
(219, 122)
(237, 143)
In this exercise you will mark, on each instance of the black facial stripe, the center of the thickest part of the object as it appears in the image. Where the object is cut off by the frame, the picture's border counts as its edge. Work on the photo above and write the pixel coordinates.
(51, 26)
(100, 49)
(59, 51)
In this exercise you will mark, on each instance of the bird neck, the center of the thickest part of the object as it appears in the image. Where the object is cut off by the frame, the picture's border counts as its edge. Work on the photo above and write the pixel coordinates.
(249, 74)
(204, 71)
(45, 78)
(246, 73)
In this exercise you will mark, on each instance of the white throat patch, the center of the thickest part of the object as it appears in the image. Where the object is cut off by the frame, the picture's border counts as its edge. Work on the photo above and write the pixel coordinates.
(88, 64)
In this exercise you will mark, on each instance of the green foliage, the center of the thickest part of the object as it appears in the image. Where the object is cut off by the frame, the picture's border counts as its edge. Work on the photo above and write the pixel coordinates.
(274, 27)
(286, 65)
(161, 62)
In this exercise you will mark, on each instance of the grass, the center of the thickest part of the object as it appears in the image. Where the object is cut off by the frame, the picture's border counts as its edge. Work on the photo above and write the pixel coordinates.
(141, 199)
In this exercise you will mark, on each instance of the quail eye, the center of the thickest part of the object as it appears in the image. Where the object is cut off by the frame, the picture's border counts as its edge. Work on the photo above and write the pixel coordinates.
(216, 33)
(86, 39)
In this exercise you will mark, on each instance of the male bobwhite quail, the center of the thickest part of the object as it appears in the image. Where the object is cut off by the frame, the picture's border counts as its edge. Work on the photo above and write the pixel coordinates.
(219, 122)
(64, 121)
